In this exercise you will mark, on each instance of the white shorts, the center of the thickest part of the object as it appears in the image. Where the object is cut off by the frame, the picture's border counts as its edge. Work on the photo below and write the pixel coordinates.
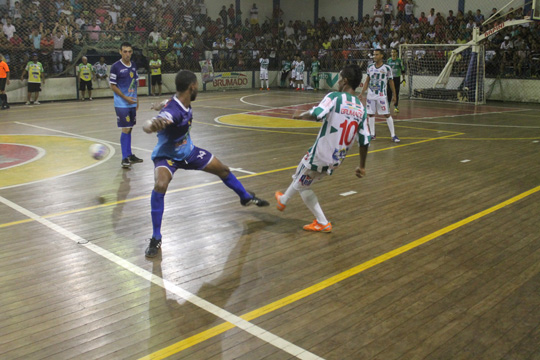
(377, 105)
(299, 76)
(264, 74)
(293, 74)
(304, 177)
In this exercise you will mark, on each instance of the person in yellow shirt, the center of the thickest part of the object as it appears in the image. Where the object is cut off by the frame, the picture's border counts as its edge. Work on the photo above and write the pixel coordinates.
(35, 72)
(155, 71)
(86, 73)
(4, 80)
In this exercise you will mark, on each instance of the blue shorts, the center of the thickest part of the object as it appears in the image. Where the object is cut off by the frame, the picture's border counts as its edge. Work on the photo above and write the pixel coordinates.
(197, 160)
(126, 117)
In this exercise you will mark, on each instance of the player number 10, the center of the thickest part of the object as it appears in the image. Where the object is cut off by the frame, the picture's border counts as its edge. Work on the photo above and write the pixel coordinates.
(348, 131)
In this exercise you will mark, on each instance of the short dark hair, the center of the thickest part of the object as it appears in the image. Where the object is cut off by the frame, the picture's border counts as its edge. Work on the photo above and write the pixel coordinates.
(353, 74)
(125, 44)
(379, 50)
(184, 79)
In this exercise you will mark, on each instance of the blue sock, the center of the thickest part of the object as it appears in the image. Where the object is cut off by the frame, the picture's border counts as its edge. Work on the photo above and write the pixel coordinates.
(232, 182)
(157, 203)
(129, 145)
(124, 143)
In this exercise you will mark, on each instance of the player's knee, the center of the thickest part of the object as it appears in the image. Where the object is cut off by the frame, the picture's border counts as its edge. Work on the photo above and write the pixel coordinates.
(161, 186)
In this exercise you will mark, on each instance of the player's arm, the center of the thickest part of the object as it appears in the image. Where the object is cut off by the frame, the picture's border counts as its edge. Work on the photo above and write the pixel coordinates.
(156, 124)
(364, 88)
(23, 74)
(118, 92)
(393, 88)
(304, 115)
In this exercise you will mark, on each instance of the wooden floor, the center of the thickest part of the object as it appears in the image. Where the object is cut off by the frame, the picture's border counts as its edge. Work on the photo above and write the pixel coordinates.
(436, 254)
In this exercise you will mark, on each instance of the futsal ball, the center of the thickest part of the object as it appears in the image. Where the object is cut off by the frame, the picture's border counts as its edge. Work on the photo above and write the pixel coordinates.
(98, 151)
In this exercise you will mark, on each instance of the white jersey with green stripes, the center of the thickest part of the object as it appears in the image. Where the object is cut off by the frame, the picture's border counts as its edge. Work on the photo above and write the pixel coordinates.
(378, 79)
(344, 121)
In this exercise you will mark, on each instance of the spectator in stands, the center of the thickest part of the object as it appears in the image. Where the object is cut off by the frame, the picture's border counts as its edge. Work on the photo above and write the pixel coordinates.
(431, 17)
(35, 37)
(16, 11)
(451, 19)
(223, 14)
(57, 55)
(388, 12)
(93, 31)
(478, 17)
(100, 71)
(409, 11)
(254, 15)
(8, 28)
(378, 14)
(423, 19)
(507, 48)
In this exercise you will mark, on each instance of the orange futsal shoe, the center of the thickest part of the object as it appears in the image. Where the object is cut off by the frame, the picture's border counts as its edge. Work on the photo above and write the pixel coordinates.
(315, 226)
(279, 205)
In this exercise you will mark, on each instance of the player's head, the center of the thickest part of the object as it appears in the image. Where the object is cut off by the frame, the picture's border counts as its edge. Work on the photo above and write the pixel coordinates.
(126, 50)
(394, 53)
(187, 81)
(34, 57)
(102, 59)
(351, 76)
(84, 60)
(378, 55)
(155, 55)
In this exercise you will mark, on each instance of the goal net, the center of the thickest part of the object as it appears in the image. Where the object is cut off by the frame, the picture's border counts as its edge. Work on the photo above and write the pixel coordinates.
(435, 72)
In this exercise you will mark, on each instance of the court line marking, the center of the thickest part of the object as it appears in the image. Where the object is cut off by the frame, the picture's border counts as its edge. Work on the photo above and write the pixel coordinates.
(76, 135)
(235, 320)
(41, 153)
(110, 154)
(252, 104)
(243, 171)
(278, 304)
(348, 193)
(144, 197)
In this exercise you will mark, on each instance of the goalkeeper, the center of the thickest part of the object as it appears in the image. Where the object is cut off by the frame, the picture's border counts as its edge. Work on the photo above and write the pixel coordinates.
(398, 71)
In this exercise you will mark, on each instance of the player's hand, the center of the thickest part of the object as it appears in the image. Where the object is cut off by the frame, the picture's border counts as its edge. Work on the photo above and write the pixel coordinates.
(360, 172)
(8, 82)
(156, 124)
(131, 100)
(403, 82)
(159, 106)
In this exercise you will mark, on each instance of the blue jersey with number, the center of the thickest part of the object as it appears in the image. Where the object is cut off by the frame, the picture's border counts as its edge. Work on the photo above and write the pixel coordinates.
(174, 142)
(126, 79)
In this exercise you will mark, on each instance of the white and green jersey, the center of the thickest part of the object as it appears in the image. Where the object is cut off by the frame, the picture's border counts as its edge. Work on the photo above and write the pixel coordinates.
(264, 63)
(300, 66)
(378, 79)
(344, 121)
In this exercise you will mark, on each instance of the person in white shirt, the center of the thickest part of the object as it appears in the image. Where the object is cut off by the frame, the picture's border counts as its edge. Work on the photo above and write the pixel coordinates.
(264, 61)
(8, 28)
(431, 17)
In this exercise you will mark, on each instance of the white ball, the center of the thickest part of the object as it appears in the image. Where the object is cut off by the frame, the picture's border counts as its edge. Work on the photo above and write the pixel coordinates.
(98, 151)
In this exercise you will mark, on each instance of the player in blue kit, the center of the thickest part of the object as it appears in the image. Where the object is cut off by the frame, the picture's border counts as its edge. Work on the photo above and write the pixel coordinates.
(123, 80)
(175, 150)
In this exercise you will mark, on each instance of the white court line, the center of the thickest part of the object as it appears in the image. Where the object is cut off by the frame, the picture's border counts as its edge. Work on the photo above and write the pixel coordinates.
(111, 153)
(248, 103)
(237, 321)
(348, 193)
(41, 153)
(465, 161)
(422, 120)
(77, 135)
(243, 171)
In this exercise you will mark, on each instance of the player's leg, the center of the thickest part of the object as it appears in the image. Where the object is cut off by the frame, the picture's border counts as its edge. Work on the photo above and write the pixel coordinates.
(383, 109)
(397, 85)
(320, 224)
(371, 109)
(83, 89)
(90, 88)
(160, 82)
(163, 174)
(153, 85)
(201, 159)
(36, 94)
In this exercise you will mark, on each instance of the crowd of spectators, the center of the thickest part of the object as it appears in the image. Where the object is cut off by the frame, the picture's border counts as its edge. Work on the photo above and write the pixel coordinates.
(182, 33)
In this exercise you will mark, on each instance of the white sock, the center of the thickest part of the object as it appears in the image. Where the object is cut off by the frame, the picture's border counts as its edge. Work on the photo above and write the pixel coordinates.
(302, 85)
(371, 120)
(288, 193)
(311, 201)
(390, 123)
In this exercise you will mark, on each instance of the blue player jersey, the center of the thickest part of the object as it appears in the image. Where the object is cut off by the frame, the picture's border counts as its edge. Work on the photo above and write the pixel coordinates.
(126, 78)
(174, 142)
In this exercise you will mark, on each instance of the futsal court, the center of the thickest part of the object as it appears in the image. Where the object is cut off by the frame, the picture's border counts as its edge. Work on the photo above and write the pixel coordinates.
(435, 254)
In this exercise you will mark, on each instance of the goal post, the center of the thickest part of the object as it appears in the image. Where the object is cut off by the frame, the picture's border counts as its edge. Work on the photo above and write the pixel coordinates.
(444, 72)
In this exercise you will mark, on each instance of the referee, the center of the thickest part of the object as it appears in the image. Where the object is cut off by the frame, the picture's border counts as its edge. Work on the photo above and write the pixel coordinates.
(4, 80)
(397, 71)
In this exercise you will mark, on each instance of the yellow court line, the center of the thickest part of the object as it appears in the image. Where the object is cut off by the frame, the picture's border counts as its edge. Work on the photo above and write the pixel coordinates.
(219, 329)
(143, 197)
